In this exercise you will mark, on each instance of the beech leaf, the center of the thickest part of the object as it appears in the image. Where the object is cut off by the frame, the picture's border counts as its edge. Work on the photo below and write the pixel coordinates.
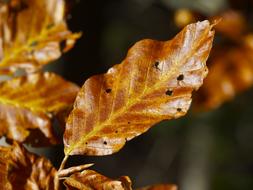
(28, 104)
(32, 33)
(21, 170)
(153, 83)
(92, 180)
(160, 187)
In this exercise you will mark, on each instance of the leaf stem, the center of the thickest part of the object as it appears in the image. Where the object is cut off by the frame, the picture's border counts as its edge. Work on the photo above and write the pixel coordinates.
(56, 179)
(63, 162)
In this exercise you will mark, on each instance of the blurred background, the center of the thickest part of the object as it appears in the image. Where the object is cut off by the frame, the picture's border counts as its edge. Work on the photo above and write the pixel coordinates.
(211, 149)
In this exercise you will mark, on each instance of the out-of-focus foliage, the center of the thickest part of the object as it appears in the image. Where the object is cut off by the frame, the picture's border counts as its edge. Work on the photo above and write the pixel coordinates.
(230, 63)
(231, 60)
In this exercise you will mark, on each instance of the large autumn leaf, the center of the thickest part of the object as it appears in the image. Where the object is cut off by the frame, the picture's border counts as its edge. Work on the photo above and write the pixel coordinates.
(32, 34)
(28, 104)
(21, 170)
(152, 84)
(160, 187)
(91, 180)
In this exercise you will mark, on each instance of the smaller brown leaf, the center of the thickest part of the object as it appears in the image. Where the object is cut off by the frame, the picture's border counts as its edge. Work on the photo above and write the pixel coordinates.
(230, 73)
(21, 170)
(91, 180)
(160, 187)
(28, 104)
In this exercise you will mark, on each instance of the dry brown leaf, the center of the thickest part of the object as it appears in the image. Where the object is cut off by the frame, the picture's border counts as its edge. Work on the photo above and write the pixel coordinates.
(230, 73)
(160, 187)
(21, 170)
(28, 103)
(152, 84)
(32, 33)
(91, 180)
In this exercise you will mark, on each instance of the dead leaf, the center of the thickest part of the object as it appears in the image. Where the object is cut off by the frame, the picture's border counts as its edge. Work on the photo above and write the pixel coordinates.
(160, 187)
(230, 73)
(32, 34)
(21, 170)
(28, 103)
(91, 180)
(152, 84)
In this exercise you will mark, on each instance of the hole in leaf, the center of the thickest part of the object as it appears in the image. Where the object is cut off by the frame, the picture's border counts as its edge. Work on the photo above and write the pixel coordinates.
(156, 64)
(180, 77)
(116, 131)
(169, 92)
(86, 143)
(179, 109)
(108, 90)
(105, 143)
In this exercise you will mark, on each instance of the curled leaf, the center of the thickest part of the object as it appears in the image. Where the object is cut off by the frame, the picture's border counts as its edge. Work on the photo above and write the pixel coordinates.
(28, 104)
(32, 34)
(153, 83)
(92, 180)
(24, 171)
(159, 187)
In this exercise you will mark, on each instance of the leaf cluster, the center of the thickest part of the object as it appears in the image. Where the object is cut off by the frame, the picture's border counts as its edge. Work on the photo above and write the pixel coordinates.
(153, 83)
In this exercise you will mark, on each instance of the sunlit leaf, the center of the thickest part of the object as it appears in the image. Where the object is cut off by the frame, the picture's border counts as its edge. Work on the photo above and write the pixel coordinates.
(32, 34)
(28, 104)
(159, 187)
(21, 170)
(152, 84)
(91, 180)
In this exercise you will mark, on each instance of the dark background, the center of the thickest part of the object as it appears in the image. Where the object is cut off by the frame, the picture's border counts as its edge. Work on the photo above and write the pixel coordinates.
(204, 151)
